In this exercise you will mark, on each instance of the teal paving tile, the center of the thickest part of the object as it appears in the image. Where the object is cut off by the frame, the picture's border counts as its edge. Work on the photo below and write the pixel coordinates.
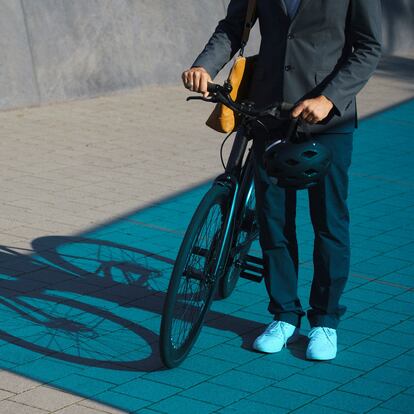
(348, 337)
(49, 368)
(259, 308)
(406, 326)
(380, 266)
(243, 298)
(225, 307)
(207, 365)
(367, 295)
(363, 326)
(391, 337)
(114, 376)
(289, 357)
(207, 340)
(252, 407)
(7, 365)
(395, 305)
(382, 285)
(347, 402)
(242, 381)
(231, 353)
(405, 362)
(255, 317)
(357, 361)
(307, 385)
(372, 389)
(407, 296)
(17, 355)
(410, 390)
(377, 349)
(122, 401)
(179, 404)
(409, 271)
(281, 398)
(402, 279)
(219, 320)
(403, 403)
(84, 386)
(146, 390)
(177, 377)
(380, 410)
(356, 305)
(317, 409)
(382, 316)
(392, 376)
(268, 369)
(332, 372)
(214, 394)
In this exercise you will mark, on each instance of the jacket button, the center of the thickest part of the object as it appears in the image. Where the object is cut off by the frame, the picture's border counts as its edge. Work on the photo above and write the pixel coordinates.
(291, 36)
(288, 68)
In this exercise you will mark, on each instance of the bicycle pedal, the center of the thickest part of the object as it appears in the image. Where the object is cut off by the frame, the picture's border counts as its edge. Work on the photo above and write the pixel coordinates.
(251, 276)
(199, 251)
(254, 259)
(252, 268)
(192, 273)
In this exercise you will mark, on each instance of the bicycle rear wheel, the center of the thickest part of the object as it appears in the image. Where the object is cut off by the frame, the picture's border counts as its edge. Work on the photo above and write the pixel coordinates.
(194, 277)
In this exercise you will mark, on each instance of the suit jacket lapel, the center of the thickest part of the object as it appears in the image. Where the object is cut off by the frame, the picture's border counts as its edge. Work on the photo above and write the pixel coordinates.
(282, 5)
(302, 5)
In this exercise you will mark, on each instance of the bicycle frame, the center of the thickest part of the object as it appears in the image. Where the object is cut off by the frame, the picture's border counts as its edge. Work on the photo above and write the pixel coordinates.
(232, 177)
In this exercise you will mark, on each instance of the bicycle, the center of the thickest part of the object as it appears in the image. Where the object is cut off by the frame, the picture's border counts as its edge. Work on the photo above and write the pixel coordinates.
(215, 249)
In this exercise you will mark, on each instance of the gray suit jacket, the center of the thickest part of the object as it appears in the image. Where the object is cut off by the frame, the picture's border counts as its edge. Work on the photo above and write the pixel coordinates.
(330, 48)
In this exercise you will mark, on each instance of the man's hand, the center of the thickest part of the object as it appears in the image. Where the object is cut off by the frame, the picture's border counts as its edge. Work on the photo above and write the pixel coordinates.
(313, 110)
(196, 80)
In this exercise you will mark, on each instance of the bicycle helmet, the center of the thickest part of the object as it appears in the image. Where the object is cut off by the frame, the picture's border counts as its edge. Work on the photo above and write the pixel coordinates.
(296, 163)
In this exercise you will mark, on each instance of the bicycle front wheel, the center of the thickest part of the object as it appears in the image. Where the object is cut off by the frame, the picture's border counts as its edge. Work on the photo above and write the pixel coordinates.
(194, 277)
(246, 231)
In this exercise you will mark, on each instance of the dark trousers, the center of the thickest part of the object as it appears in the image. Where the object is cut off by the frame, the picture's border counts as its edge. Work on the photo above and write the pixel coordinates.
(276, 209)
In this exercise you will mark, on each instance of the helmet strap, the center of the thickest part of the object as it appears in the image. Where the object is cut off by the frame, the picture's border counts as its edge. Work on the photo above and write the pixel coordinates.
(298, 131)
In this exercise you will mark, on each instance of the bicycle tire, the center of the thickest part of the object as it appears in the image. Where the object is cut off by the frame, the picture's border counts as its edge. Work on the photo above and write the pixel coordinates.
(245, 229)
(174, 350)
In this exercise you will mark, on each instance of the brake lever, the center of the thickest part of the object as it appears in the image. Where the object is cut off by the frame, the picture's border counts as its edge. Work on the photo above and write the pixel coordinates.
(201, 98)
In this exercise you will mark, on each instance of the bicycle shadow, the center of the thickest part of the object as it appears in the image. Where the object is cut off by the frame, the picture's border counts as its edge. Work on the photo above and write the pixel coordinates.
(91, 302)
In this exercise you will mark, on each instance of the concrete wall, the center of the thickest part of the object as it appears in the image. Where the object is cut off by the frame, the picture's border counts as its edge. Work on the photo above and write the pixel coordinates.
(55, 50)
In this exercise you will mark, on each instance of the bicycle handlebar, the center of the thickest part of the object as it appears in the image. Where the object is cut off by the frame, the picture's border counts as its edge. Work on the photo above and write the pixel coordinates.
(221, 93)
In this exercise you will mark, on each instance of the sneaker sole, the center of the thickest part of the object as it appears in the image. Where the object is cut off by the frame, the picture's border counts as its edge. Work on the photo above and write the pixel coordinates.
(321, 358)
(292, 339)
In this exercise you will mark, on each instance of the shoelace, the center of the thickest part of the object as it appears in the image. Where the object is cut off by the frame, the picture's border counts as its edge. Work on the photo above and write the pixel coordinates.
(317, 332)
(277, 328)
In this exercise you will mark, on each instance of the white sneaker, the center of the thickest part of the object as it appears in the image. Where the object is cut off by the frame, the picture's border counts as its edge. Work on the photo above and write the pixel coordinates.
(277, 335)
(322, 345)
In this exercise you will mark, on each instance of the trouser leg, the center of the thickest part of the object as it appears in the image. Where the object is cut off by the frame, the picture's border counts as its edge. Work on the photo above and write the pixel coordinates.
(330, 220)
(276, 210)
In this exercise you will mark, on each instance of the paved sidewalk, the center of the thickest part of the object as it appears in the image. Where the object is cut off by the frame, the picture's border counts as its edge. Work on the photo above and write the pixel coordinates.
(96, 196)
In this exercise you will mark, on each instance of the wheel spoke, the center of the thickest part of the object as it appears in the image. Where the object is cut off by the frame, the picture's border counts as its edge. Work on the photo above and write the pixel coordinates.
(196, 281)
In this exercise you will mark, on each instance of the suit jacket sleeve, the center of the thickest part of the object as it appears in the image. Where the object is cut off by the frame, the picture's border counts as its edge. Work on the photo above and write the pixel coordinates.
(354, 73)
(226, 39)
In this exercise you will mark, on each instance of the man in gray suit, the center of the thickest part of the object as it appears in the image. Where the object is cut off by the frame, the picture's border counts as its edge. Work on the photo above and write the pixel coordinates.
(318, 54)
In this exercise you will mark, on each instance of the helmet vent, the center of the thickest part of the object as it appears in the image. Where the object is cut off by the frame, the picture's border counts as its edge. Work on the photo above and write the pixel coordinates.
(292, 162)
(310, 154)
(311, 172)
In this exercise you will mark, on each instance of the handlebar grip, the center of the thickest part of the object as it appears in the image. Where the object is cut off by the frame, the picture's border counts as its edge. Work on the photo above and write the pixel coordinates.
(287, 107)
(213, 87)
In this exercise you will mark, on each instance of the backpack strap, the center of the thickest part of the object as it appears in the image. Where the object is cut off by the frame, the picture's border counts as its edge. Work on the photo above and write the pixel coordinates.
(250, 17)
